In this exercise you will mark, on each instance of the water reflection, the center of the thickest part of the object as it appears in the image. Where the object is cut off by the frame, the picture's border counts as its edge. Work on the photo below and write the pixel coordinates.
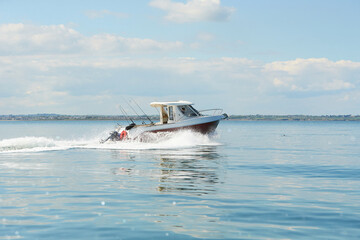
(193, 171)
(178, 183)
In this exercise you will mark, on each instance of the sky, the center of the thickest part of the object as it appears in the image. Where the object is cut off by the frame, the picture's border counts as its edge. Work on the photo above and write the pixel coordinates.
(245, 56)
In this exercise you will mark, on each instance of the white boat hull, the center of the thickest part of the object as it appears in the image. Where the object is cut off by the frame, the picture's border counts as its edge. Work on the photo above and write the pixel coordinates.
(202, 124)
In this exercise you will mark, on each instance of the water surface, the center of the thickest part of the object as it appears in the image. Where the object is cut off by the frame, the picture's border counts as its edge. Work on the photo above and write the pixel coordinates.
(252, 180)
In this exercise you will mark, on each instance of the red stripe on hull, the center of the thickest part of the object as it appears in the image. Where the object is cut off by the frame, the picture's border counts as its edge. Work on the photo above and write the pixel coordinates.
(203, 128)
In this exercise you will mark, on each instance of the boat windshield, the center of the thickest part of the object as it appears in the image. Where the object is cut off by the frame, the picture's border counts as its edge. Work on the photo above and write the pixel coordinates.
(188, 111)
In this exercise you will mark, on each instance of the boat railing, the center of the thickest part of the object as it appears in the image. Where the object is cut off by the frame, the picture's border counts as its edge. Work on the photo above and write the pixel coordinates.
(211, 112)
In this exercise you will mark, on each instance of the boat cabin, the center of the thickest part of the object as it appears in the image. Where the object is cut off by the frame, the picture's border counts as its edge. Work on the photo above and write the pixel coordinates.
(171, 112)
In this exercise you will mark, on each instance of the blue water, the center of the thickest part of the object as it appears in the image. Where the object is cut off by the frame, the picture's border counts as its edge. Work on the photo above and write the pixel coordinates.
(252, 180)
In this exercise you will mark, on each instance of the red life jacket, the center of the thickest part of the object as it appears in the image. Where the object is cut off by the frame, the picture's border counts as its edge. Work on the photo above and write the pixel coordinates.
(123, 135)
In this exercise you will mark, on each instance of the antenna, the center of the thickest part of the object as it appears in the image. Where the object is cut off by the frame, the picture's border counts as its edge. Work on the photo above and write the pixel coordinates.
(142, 111)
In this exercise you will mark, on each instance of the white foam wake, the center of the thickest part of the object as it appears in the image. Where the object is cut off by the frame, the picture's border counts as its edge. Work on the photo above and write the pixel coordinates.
(182, 139)
(36, 144)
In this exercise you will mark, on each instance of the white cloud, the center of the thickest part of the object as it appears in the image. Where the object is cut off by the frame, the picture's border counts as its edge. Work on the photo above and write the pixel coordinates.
(23, 39)
(337, 84)
(53, 83)
(294, 67)
(46, 82)
(314, 74)
(279, 82)
(90, 73)
(203, 36)
(193, 10)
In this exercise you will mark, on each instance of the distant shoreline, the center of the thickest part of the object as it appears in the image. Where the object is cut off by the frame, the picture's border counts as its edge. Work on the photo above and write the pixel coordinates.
(59, 117)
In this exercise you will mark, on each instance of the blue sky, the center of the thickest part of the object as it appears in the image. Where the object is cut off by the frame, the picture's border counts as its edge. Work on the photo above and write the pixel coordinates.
(248, 57)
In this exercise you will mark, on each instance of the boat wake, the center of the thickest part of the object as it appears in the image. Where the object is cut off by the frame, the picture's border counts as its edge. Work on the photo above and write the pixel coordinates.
(173, 140)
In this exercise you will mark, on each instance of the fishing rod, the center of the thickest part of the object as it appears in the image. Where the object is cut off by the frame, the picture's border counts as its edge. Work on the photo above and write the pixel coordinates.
(157, 110)
(142, 111)
(126, 115)
(133, 109)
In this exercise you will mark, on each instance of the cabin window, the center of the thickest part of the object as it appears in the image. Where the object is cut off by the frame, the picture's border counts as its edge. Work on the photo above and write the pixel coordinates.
(171, 113)
(194, 111)
(188, 111)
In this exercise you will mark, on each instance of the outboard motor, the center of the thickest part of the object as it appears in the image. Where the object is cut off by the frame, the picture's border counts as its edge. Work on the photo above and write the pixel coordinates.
(114, 136)
(118, 135)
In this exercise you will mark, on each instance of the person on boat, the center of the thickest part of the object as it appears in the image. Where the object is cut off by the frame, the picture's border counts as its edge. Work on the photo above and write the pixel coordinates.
(165, 117)
(182, 109)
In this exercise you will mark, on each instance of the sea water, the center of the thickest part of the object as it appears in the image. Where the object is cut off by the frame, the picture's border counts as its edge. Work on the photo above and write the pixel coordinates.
(250, 180)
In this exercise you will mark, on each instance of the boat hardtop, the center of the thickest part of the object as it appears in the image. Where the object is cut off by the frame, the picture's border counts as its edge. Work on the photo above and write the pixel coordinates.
(171, 112)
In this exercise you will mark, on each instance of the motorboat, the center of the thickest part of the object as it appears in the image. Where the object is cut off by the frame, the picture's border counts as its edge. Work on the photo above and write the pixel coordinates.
(174, 116)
